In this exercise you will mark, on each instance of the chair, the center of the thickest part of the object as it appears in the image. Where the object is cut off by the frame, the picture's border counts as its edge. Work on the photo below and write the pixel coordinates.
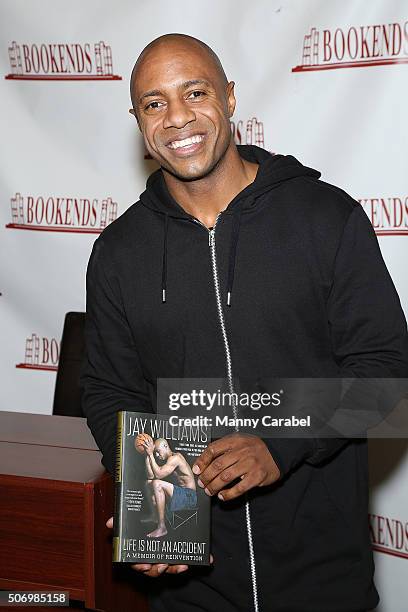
(67, 394)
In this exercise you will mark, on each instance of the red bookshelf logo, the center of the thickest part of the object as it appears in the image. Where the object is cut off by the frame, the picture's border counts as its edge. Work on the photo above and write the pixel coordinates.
(251, 133)
(355, 47)
(61, 214)
(388, 535)
(388, 216)
(61, 62)
(40, 354)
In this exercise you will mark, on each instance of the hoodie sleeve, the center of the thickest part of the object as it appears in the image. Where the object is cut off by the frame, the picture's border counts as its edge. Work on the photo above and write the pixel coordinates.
(367, 327)
(111, 376)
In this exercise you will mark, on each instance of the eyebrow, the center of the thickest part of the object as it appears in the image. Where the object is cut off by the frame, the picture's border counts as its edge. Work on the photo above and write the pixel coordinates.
(185, 85)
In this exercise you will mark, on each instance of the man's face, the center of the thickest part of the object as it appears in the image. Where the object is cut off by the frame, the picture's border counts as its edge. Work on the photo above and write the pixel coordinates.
(161, 450)
(183, 108)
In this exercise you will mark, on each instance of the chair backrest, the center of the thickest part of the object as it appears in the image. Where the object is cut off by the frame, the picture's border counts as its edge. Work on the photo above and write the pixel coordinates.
(67, 396)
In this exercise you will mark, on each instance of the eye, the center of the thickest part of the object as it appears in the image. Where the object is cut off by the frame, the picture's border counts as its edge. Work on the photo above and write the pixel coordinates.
(153, 105)
(196, 94)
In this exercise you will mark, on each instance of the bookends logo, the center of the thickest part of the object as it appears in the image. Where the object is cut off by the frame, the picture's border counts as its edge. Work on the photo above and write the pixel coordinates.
(388, 216)
(356, 47)
(389, 535)
(61, 62)
(61, 214)
(40, 354)
(252, 133)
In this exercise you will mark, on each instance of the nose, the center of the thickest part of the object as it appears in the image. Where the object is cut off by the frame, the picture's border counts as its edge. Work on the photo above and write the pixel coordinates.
(178, 114)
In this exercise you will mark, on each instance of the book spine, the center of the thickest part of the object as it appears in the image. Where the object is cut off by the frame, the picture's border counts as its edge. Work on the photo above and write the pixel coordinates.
(117, 520)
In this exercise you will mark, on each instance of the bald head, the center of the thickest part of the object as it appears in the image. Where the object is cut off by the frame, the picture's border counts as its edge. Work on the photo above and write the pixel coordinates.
(170, 43)
(180, 92)
(161, 442)
(162, 449)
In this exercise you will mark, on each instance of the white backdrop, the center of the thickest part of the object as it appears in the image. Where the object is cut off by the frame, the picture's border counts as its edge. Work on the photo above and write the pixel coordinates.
(324, 81)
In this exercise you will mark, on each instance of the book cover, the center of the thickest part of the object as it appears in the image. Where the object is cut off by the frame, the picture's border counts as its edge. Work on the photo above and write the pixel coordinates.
(161, 514)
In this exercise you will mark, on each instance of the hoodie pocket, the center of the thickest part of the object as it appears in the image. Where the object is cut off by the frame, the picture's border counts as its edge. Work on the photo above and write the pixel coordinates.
(319, 507)
(333, 503)
(324, 523)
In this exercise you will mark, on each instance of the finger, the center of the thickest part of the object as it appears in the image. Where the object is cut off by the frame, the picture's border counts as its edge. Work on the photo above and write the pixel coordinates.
(250, 480)
(213, 450)
(109, 523)
(141, 567)
(211, 559)
(217, 466)
(156, 569)
(238, 470)
(176, 569)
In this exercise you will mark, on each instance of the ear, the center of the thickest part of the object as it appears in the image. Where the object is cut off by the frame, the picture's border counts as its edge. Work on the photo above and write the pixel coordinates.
(231, 102)
(133, 112)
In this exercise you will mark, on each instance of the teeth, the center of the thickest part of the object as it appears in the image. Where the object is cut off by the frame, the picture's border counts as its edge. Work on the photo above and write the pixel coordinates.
(176, 144)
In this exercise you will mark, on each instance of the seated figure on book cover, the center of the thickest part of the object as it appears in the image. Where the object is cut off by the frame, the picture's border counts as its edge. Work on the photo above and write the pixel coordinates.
(162, 462)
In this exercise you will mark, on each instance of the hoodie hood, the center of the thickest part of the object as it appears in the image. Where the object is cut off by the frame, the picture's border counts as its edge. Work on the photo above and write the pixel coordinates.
(273, 170)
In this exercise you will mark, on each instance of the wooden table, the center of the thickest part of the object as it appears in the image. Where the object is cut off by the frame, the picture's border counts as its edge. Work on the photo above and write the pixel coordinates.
(55, 498)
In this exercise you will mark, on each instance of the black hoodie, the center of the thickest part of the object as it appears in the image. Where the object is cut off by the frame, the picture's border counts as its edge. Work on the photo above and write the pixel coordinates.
(302, 291)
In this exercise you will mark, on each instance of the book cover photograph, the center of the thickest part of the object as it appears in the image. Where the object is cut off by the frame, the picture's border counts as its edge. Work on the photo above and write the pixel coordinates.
(161, 514)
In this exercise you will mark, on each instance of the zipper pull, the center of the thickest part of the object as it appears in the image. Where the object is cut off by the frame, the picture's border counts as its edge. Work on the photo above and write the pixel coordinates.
(210, 237)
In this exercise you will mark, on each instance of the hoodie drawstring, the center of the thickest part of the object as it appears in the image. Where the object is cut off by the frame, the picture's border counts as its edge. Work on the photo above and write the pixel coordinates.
(164, 261)
(236, 222)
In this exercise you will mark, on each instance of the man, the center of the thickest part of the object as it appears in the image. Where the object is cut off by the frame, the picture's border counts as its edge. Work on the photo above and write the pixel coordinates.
(289, 282)
(177, 497)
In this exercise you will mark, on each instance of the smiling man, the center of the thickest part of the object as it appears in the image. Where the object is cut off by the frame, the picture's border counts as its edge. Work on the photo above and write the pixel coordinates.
(182, 103)
(241, 264)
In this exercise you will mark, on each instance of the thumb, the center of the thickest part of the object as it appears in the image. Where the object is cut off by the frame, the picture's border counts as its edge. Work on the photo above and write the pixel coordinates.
(109, 523)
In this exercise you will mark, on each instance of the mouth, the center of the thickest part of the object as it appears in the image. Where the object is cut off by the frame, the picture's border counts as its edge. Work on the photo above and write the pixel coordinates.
(188, 145)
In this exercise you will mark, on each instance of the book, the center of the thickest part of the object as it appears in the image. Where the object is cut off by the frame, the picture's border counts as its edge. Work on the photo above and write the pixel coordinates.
(161, 514)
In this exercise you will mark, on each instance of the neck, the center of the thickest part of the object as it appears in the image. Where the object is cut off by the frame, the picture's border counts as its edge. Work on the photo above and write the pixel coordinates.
(206, 197)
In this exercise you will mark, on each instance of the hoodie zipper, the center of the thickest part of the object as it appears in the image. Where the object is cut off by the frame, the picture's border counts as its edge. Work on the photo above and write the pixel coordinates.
(211, 243)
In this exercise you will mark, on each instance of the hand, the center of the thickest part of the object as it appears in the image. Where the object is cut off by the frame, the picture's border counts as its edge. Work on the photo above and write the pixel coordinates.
(236, 455)
(149, 446)
(156, 569)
